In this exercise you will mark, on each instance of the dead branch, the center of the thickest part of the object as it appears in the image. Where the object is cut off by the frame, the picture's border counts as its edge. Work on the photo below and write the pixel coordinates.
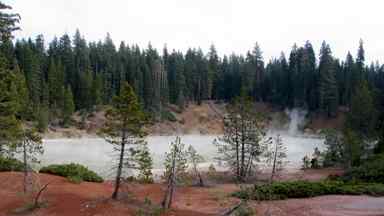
(37, 197)
(233, 209)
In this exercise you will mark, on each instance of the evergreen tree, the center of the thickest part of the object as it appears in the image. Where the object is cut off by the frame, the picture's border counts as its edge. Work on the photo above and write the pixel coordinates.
(67, 59)
(350, 81)
(24, 110)
(10, 127)
(194, 159)
(96, 90)
(244, 138)
(124, 129)
(10, 82)
(34, 78)
(69, 106)
(360, 62)
(293, 74)
(84, 95)
(8, 22)
(53, 86)
(363, 114)
(258, 66)
(145, 164)
(180, 83)
(42, 118)
(328, 90)
(308, 67)
(353, 147)
(335, 152)
(213, 72)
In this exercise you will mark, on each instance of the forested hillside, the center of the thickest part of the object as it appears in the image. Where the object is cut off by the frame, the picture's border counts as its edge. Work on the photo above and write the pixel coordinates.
(70, 73)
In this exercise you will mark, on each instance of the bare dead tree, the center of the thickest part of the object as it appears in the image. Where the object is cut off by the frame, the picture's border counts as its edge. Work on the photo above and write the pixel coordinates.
(31, 146)
(276, 156)
(194, 158)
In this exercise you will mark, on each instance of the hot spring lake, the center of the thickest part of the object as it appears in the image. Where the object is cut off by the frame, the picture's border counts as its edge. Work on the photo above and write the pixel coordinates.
(98, 155)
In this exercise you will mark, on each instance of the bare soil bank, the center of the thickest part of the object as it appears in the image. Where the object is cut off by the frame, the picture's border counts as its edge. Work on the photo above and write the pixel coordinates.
(204, 119)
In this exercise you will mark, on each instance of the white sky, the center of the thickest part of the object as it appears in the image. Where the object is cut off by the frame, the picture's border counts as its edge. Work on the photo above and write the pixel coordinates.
(233, 26)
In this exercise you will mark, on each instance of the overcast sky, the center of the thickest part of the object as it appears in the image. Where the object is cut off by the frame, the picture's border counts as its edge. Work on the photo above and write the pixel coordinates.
(232, 25)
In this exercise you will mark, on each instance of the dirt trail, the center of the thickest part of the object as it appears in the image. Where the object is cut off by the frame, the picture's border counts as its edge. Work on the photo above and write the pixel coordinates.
(332, 205)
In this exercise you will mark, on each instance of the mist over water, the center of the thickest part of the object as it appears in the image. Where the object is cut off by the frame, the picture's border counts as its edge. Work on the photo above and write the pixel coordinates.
(98, 155)
(296, 120)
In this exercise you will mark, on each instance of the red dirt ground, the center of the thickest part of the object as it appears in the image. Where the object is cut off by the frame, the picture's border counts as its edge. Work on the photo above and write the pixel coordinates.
(64, 198)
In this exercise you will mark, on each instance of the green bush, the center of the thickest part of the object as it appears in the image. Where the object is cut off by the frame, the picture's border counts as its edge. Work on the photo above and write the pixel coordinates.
(10, 164)
(72, 170)
(370, 171)
(304, 189)
(140, 180)
(168, 115)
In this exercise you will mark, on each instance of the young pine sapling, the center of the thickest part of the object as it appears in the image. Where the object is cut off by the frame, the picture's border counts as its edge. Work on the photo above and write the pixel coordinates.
(194, 159)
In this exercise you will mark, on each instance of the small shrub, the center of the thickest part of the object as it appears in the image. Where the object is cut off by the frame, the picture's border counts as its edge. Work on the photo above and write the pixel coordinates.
(147, 201)
(72, 170)
(212, 169)
(75, 179)
(139, 180)
(149, 209)
(168, 115)
(10, 164)
(182, 121)
(145, 180)
(306, 162)
(131, 179)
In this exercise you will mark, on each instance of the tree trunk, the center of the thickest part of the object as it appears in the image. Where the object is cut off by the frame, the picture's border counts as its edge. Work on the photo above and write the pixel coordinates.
(167, 201)
(119, 169)
(198, 174)
(199, 92)
(249, 164)
(171, 192)
(274, 164)
(238, 176)
(201, 182)
(25, 167)
(242, 167)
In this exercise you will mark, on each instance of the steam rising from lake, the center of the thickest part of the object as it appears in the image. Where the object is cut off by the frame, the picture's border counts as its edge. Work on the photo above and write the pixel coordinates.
(97, 154)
